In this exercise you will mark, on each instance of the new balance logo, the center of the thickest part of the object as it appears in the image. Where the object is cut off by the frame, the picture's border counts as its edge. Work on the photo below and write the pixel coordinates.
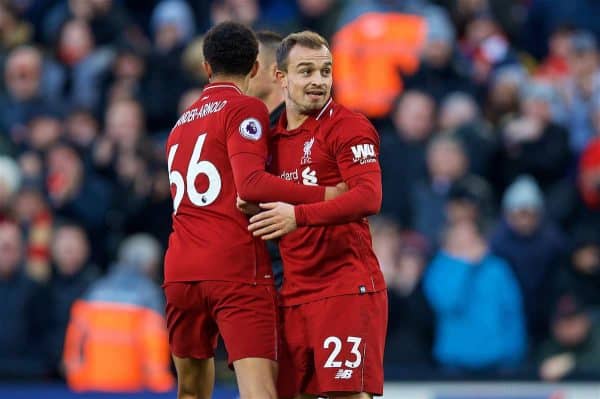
(343, 374)
(309, 177)
(363, 153)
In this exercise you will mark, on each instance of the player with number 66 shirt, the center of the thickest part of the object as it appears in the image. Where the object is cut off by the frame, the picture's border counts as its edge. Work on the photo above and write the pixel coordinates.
(218, 277)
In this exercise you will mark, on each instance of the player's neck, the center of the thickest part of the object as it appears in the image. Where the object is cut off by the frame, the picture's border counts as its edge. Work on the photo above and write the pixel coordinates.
(240, 81)
(273, 100)
(294, 119)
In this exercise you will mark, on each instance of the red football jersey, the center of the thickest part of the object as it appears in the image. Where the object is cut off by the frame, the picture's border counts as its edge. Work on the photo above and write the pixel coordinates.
(332, 253)
(217, 149)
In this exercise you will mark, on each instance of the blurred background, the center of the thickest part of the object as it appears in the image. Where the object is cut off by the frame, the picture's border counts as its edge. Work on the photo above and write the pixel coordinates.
(489, 236)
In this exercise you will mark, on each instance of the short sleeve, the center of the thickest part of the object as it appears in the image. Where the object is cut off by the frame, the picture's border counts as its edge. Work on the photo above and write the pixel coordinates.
(355, 143)
(248, 128)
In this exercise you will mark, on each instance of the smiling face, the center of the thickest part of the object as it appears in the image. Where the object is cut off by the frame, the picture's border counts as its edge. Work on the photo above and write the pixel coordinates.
(307, 80)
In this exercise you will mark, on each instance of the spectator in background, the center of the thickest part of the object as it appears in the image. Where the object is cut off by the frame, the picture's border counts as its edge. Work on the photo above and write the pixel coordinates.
(22, 79)
(33, 215)
(403, 256)
(386, 238)
(13, 31)
(108, 20)
(126, 302)
(470, 199)
(589, 179)
(124, 78)
(320, 16)
(44, 129)
(584, 63)
(10, 181)
(127, 157)
(173, 26)
(503, 94)
(457, 109)
(544, 16)
(533, 247)
(71, 190)
(581, 273)
(71, 277)
(442, 69)
(555, 67)
(486, 46)
(84, 63)
(124, 134)
(81, 129)
(188, 98)
(193, 58)
(532, 144)
(24, 310)
(460, 117)
(477, 302)
(574, 348)
(402, 152)
(446, 163)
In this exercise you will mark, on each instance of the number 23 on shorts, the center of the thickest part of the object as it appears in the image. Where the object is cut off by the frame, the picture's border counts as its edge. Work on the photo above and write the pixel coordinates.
(352, 360)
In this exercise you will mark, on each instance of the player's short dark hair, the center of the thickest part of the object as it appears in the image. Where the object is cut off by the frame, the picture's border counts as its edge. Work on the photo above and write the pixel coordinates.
(305, 38)
(230, 49)
(269, 39)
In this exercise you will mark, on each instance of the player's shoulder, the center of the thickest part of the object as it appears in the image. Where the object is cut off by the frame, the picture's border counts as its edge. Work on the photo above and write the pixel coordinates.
(339, 119)
(244, 102)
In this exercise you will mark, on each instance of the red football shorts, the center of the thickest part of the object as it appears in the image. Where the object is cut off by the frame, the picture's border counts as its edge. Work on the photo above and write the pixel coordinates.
(244, 314)
(333, 345)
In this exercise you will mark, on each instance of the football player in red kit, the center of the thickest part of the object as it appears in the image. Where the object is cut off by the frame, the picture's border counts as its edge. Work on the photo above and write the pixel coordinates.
(333, 298)
(217, 275)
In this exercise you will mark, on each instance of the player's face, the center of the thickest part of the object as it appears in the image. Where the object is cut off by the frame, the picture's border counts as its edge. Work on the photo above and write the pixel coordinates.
(307, 82)
(261, 85)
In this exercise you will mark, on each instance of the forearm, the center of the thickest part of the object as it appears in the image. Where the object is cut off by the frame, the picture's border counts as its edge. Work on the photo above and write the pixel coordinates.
(361, 200)
(254, 184)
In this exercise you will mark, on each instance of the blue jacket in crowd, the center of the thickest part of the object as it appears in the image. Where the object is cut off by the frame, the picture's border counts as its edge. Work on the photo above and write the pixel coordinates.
(480, 323)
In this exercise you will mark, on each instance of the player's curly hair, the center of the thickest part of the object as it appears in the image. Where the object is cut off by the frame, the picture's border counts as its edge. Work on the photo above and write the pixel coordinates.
(230, 49)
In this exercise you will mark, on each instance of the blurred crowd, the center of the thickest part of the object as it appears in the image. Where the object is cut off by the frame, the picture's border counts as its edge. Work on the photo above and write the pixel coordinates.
(489, 236)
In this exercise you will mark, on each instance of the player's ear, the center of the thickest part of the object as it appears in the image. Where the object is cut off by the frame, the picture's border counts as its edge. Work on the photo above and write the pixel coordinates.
(281, 77)
(254, 69)
(207, 69)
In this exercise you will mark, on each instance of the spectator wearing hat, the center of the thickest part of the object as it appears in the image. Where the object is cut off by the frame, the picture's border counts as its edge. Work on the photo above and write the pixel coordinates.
(581, 89)
(173, 26)
(477, 302)
(442, 69)
(574, 347)
(470, 199)
(533, 246)
(503, 93)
